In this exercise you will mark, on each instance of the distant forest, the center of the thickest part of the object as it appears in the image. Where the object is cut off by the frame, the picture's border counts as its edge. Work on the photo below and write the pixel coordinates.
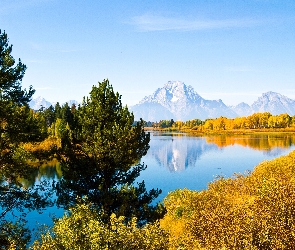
(263, 120)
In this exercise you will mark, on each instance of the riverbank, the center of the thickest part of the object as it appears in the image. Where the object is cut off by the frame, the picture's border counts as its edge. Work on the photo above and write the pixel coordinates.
(290, 130)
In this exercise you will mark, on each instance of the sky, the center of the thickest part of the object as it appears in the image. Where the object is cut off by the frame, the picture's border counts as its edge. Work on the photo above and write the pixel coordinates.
(233, 50)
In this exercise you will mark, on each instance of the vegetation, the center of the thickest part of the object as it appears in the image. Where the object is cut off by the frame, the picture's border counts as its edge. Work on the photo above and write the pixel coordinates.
(244, 212)
(84, 229)
(18, 124)
(254, 211)
(100, 158)
(99, 146)
(256, 122)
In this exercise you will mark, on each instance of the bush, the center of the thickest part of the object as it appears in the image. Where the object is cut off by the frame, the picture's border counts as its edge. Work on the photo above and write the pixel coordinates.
(255, 211)
(84, 229)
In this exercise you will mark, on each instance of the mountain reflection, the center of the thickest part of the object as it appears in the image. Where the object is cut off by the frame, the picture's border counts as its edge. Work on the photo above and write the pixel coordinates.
(176, 152)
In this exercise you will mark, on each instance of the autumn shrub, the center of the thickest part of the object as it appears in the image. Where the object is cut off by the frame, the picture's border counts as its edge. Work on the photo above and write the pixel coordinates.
(255, 211)
(84, 229)
(46, 145)
(43, 150)
(252, 211)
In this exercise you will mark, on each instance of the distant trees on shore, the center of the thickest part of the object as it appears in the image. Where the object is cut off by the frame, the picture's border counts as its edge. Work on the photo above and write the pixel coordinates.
(255, 121)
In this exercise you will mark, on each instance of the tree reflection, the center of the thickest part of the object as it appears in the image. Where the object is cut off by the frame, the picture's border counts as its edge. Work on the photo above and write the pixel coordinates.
(176, 152)
(265, 142)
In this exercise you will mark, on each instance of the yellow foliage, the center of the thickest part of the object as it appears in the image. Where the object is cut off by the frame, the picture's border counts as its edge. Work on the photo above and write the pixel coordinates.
(244, 212)
(83, 229)
(46, 145)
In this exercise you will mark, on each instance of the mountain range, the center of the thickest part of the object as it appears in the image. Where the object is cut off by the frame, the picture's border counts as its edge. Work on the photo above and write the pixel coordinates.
(177, 101)
(40, 102)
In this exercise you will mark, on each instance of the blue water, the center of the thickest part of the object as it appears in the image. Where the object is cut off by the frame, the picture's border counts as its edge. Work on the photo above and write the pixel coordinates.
(177, 161)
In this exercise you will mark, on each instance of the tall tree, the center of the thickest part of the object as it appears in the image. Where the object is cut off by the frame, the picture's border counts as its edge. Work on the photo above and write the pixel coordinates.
(101, 159)
(11, 75)
(15, 127)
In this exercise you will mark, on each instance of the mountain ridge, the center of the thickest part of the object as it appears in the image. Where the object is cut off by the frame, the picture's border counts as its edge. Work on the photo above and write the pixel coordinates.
(181, 102)
(40, 102)
(178, 101)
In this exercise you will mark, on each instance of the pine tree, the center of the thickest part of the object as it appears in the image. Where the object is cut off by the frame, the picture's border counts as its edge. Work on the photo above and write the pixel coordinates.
(101, 159)
(11, 75)
(15, 127)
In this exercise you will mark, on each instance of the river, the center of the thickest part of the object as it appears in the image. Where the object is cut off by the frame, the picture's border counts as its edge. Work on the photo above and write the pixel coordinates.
(178, 160)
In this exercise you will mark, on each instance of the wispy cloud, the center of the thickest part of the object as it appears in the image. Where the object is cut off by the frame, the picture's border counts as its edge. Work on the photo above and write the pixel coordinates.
(150, 22)
(239, 69)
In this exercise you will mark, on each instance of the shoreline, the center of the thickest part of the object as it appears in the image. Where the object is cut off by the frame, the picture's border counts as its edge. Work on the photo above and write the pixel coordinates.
(226, 132)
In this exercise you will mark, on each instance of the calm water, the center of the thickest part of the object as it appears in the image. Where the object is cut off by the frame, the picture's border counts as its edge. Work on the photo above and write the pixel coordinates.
(176, 161)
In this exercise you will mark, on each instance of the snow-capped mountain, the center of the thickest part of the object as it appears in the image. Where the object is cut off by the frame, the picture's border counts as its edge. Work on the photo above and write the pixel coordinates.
(274, 103)
(180, 102)
(40, 102)
(242, 109)
(177, 101)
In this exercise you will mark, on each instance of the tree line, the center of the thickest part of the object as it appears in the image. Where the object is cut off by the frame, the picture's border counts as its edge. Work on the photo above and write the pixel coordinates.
(264, 120)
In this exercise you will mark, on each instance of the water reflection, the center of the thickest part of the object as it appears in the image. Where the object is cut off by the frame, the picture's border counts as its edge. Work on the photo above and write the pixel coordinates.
(258, 142)
(49, 171)
(179, 151)
(181, 161)
(176, 152)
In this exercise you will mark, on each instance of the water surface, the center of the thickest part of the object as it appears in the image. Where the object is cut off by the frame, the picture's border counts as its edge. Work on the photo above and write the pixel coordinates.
(177, 161)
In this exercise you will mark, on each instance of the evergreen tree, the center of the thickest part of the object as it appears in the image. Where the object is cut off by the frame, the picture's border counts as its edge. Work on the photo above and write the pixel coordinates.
(12, 96)
(17, 125)
(49, 115)
(57, 111)
(11, 75)
(101, 158)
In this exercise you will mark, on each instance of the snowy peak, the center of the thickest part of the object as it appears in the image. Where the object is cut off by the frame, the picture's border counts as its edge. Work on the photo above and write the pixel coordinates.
(242, 109)
(181, 102)
(38, 103)
(178, 90)
(274, 103)
(177, 101)
(173, 91)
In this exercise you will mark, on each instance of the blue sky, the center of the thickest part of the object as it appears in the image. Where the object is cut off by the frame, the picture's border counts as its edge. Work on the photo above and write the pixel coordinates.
(230, 50)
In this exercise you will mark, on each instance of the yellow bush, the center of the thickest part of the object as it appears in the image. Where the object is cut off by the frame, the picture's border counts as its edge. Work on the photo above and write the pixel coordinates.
(83, 229)
(46, 145)
(244, 212)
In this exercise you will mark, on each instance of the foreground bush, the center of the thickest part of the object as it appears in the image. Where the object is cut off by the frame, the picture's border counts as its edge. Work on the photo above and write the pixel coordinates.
(256, 211)
(83, 229)
(245, 212)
